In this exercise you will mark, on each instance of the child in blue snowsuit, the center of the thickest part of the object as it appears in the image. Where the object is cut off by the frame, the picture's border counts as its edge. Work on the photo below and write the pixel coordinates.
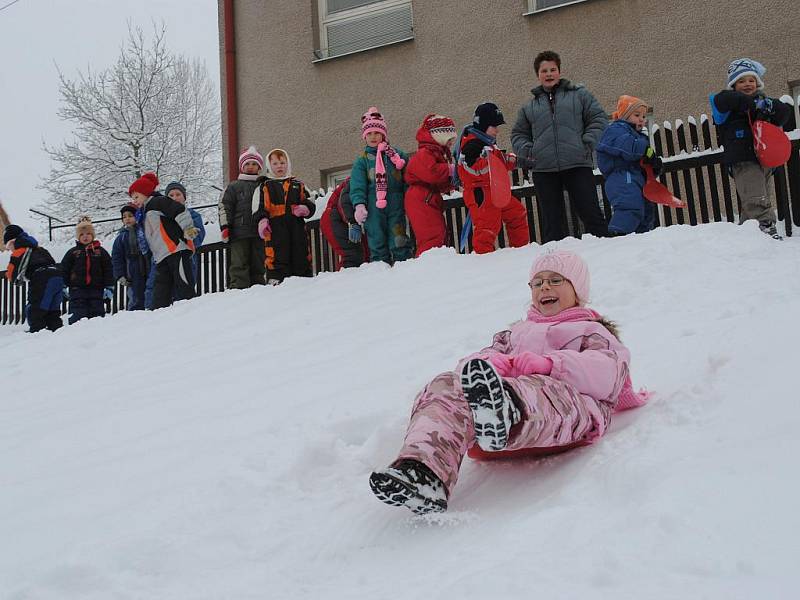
(131, 262)
(621, 148)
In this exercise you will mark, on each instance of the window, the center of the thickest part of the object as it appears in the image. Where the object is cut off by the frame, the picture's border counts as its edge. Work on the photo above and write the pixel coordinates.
(794, 87)
(348, 26)
(333, 178)
(537, 6)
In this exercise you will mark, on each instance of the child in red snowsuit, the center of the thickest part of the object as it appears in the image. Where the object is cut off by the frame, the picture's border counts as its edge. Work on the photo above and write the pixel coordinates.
(477, 141)
(428, 176)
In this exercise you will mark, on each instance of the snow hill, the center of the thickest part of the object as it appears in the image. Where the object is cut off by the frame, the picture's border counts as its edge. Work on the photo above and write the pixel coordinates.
(221, 449)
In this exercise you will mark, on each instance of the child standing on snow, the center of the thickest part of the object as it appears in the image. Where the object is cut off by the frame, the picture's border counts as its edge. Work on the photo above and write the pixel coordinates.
(88, 273)
(377, 189)
(621, 148)
(177, 192)
(280, 210)
(338, 225)
(131, 263)
(477, 141)
(733, 110)
(170, 232)
(548, 384)
(32, 263)
(428, 175)
(237, 225)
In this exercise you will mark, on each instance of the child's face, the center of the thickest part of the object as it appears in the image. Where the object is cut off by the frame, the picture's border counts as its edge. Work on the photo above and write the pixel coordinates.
(549, 298)
(10, 245)
(138, 199)
(637, 118)
(549, 74)
(85, 237)
(374, 138)
(747, 85)
(128, 218)
(250, 168)
(491, 130)
(178, 196)
(278, 164)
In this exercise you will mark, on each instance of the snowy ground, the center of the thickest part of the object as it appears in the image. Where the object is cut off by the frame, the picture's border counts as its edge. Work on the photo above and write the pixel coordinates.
(221, 449)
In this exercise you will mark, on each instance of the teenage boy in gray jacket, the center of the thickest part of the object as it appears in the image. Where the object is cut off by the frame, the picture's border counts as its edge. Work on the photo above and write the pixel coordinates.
(555, 135)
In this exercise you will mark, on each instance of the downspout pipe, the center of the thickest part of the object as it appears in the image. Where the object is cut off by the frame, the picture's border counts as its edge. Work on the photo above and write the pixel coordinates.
(231, 115)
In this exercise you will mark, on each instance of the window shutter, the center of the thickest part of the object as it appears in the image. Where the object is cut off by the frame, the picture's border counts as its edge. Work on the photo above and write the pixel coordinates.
(369, 30)
(340, 5)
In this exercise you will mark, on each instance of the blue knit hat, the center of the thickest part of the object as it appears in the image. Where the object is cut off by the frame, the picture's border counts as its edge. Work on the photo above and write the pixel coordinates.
(742, 67)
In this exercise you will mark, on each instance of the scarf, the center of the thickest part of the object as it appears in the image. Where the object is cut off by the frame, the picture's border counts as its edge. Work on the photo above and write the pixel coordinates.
(627, 397)
(246, 177)
(481, 135)
(381, 182)
(89, 250)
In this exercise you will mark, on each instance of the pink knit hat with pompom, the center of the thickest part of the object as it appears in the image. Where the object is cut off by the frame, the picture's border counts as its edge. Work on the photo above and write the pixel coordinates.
(373, 120)
(569, 265)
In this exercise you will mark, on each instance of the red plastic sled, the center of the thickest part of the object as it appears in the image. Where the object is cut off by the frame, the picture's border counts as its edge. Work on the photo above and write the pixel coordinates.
(657, 192)
(499, 181)
(771, 143)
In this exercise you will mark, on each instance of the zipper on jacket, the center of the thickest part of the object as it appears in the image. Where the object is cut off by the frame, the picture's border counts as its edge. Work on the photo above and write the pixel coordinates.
(552, 100)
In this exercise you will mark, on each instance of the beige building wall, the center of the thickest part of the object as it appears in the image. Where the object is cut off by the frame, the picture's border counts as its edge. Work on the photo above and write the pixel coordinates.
(672, 53)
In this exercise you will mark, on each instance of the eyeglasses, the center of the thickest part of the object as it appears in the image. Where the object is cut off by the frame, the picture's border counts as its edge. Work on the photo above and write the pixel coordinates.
(551, 281)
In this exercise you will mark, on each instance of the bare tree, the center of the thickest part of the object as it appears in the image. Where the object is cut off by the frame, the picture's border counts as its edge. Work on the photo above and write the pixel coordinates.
(151, 111)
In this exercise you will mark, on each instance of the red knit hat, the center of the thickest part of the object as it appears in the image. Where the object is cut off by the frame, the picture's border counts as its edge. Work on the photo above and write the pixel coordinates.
(146, 184)
(441, 128)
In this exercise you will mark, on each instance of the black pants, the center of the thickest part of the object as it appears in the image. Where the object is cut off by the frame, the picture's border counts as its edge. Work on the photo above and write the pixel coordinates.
(287, 249)
(579, 183)
(174, 279)
(352, 254)
(44, 299)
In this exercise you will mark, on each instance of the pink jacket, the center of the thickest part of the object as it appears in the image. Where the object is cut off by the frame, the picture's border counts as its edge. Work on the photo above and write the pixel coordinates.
(584, 352)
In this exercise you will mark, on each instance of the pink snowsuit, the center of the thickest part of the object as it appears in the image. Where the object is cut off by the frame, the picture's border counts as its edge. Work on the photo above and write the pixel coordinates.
(570, 407)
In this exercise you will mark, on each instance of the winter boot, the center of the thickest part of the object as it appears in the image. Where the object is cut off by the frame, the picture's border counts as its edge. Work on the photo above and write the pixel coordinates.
(409, 483)
(493, 411)
(770, 230)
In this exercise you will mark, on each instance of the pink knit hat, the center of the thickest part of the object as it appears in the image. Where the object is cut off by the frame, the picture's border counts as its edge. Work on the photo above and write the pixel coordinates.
(569, 265)
(250, 155)
(373, 120)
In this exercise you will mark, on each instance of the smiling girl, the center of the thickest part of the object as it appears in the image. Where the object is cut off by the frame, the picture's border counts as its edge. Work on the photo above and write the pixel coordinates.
(548, 384)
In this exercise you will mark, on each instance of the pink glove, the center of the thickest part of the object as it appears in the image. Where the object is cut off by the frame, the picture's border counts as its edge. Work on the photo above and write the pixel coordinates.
(382, 146)
(502, 363)
(530, 363)
(361, 214)
(300, 210)
(264, 228)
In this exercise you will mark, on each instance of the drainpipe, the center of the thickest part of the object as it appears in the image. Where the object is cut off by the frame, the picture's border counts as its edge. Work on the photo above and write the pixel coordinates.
(231, 116)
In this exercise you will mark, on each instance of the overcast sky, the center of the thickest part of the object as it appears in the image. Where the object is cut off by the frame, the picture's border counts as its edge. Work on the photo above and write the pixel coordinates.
(37, 34)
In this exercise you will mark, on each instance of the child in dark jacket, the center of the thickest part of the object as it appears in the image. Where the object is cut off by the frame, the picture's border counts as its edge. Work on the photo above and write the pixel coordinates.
(237, 225)
(377, 189)
(131, 262)
(339, 227)
(177, 192)
(428, 175)
(734, 109)
(32, 263)
(621, 148)
(170, 232)
(280, 210)
(88, 274)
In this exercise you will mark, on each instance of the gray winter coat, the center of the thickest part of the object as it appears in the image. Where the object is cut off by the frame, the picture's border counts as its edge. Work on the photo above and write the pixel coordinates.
(558, 130)
(235, 207)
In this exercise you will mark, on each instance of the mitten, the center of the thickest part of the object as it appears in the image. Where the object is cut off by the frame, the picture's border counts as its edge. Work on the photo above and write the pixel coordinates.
(264, 228)
(354, 233)
(108, 293)
(225, 233)
(361, 214)
(65, 293)
(511, 159)
(123, 281)
(503, 364)
(300, 210)
(530, 363)
(191, 232)
(764, 106)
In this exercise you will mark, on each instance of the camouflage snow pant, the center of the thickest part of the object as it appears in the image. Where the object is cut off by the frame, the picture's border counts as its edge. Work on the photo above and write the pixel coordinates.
(554, 415)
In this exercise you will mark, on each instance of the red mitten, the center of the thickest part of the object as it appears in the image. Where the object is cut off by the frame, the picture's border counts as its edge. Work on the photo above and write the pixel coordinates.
(225, 233)
(502, 364)
(530, 363)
